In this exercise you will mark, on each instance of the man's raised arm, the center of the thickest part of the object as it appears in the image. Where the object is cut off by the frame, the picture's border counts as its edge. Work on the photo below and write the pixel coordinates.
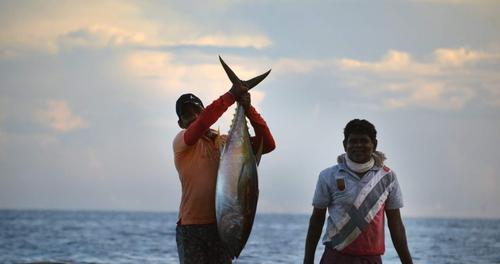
(212, 113)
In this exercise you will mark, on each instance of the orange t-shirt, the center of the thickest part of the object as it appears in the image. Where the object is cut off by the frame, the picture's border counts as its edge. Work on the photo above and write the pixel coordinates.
(197, 167)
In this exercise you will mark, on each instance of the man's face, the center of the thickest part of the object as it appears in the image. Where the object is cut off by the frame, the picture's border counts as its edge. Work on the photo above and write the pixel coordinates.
(359, 147)
(189, 114)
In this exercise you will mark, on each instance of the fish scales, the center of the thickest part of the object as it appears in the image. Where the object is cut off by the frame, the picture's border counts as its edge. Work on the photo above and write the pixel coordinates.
(237, 186)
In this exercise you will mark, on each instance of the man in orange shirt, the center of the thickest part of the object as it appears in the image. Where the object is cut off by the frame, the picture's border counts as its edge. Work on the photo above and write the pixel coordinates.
(196, 153)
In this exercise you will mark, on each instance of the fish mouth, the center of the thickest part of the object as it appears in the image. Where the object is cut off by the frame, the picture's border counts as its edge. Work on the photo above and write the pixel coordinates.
(230, 229)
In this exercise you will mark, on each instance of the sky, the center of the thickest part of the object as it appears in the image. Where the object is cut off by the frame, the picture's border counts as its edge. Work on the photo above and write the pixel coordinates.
(87, 94)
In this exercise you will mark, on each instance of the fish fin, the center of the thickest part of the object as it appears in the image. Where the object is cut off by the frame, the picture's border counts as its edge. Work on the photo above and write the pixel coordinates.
(230, 73)
(234, 78)
(256, 80)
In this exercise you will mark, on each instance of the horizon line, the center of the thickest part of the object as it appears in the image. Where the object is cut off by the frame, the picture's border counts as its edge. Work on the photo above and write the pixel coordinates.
(437, 217)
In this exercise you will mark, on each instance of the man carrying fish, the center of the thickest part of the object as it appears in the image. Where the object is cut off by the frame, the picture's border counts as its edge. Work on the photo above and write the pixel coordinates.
(357, 192)
(197, 150)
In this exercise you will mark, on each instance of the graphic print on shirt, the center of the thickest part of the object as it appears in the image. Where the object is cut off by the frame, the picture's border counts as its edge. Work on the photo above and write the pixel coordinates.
(367, 203)
(340, 184)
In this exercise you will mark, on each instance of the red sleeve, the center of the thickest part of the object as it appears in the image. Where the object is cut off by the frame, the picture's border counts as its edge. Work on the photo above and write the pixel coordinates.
(262, 132)
(207, 118)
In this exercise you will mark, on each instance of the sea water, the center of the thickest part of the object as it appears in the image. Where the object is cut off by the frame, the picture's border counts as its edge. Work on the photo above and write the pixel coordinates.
(137, 237)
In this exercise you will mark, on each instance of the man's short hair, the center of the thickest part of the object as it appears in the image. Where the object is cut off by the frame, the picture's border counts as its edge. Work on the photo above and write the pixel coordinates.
(360, 126)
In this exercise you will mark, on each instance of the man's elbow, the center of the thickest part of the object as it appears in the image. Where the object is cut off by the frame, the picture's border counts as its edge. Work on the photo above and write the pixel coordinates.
(269, 148)
(318, 216)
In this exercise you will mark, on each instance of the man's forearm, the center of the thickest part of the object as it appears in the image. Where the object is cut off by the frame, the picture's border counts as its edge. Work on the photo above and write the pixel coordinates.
(398, 236)
(207, 118)
(313, 236)
(262, 133)
(401, 246)
(312, 239)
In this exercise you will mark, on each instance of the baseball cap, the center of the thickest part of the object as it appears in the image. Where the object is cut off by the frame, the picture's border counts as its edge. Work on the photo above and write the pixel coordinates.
(185, 99)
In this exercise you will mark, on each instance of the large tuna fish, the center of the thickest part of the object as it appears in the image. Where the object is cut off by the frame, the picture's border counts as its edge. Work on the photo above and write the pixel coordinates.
(237, 188)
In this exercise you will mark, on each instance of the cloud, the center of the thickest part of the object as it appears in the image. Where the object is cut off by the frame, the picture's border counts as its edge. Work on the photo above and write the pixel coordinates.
(58, 116)
(224, 40)
(458, 57)
(447, 79)
(50, 27)
(393, 62)
(38, 26)
(101, 36)
(450, 80)
(167, 75)
(433, 95)
(291, 66)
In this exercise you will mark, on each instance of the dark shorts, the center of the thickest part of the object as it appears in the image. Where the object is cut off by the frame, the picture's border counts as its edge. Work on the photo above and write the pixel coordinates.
(331, 256)
(200, 244)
